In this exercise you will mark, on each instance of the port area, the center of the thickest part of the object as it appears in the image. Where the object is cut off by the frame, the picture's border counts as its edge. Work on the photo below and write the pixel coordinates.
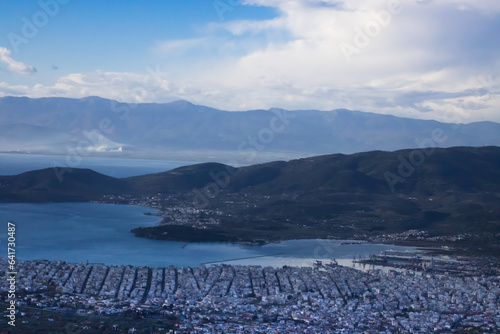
(422, 262)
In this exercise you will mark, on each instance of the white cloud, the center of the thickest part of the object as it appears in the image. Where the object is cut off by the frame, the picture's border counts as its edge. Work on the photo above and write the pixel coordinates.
(428, 61)
(150, 86)
(179, 45)
(419, 55)
(238, 28)
(13, 65)
(485, 6)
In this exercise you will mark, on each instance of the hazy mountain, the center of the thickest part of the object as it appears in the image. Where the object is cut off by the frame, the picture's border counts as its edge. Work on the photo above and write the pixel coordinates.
(182, 130)
(59, 185)
(31, 138)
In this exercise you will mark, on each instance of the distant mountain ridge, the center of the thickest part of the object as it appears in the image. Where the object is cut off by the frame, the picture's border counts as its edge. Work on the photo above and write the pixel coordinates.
(461, 169)
(96, 126)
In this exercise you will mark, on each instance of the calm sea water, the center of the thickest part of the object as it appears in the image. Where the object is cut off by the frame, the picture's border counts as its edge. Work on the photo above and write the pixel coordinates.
(100, 233)
(12, 164)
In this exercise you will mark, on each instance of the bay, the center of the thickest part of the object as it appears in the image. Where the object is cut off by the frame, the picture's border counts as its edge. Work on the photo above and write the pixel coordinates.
(100, 233)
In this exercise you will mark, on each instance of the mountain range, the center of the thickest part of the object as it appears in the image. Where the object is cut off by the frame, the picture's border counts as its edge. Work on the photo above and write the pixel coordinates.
(443, 191)
(184, 131)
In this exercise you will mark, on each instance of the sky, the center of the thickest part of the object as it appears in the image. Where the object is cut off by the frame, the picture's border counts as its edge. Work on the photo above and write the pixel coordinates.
(426, 59)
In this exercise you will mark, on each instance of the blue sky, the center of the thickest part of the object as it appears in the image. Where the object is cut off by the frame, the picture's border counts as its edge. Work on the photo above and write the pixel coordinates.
(415, 58)
(116, 36)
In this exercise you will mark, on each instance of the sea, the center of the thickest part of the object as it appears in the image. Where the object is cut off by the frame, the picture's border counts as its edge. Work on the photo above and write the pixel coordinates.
(101, 233)
(13, 164)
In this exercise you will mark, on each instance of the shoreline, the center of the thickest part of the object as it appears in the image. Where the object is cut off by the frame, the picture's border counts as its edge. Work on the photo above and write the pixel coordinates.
(431, 247)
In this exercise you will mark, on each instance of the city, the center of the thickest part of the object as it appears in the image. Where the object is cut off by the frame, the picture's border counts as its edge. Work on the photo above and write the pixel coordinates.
(235, 298)
(250, 166)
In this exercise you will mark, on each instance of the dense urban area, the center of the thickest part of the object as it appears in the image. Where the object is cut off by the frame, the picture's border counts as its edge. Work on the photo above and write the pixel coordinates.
(455, 296)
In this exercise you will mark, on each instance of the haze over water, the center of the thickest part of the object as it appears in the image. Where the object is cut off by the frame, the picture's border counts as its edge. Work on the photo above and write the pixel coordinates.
(13, 164)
